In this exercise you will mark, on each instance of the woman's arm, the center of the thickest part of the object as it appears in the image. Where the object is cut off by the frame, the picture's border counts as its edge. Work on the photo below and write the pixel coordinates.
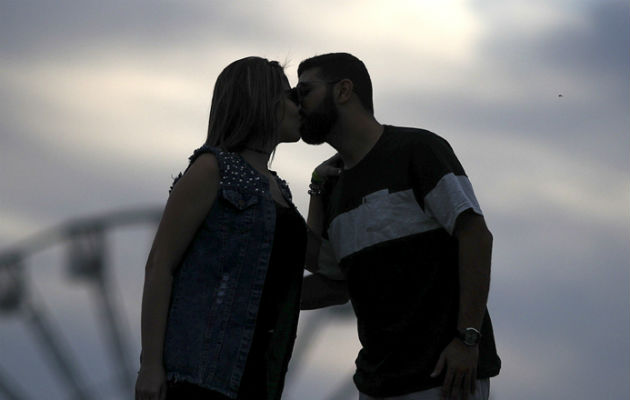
(326, 287)
(314, 220)
(318, 290)
(189, 203)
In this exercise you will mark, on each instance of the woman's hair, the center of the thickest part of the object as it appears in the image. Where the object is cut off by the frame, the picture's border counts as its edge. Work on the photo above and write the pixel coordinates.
(245, 103)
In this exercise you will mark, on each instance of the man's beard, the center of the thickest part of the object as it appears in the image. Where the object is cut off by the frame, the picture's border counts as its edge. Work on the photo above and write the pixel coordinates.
(316, 125)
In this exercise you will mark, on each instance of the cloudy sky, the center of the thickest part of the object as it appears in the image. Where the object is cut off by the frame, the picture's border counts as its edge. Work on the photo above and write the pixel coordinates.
(102, 102)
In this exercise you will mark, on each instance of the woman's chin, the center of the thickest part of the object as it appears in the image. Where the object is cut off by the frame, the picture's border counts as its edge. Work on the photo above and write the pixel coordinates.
(293, 138)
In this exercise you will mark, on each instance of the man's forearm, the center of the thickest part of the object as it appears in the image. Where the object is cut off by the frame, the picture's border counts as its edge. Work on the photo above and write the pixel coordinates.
(475, 253)
(319, 292)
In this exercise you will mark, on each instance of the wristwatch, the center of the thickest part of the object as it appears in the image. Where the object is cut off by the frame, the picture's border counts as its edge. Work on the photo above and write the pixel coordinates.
(470, 336)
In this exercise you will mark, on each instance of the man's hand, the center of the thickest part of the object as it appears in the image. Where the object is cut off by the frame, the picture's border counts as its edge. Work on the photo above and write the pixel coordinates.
(460, 362)
(330, 167)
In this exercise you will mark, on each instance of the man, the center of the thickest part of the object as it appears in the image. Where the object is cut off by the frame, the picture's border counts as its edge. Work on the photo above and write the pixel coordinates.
(405, 229)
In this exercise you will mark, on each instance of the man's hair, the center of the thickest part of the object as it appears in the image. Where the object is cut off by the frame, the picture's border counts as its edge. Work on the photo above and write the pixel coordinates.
(245, 103)
(337, 66)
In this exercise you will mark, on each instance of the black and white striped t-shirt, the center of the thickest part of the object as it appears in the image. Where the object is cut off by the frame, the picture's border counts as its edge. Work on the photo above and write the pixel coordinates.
(390, 221)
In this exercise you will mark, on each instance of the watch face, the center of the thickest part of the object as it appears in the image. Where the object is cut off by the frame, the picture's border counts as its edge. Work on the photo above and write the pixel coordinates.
(471, 337)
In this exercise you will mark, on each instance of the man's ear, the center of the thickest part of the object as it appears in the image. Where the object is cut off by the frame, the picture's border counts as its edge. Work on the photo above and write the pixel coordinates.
(344, 91)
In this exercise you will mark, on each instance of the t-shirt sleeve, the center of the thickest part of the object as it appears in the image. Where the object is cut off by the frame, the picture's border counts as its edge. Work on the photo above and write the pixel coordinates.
(440, 183)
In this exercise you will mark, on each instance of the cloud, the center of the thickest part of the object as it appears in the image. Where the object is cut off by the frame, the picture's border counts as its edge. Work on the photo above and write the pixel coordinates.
(48, 28)
(546, 326)
(585, 42)
(597, 47)
(102, 103)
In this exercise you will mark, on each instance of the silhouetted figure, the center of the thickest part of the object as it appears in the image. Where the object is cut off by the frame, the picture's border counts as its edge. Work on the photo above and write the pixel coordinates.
(402, 236)
(223, 278)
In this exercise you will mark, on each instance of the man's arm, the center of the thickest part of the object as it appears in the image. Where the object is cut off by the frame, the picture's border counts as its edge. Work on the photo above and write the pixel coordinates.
(475, 252)
(319, 292)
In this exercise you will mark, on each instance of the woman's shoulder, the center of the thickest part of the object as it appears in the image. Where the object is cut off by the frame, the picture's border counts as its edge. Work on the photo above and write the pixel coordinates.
(284, 186)
(225, 160)
(203, 162)
(234, 172)
(227, 163)
(203, 169)
(206, 151)
(206, 164)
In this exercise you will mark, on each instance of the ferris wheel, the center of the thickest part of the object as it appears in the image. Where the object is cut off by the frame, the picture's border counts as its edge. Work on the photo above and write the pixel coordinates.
(88, 265)
(87, 251)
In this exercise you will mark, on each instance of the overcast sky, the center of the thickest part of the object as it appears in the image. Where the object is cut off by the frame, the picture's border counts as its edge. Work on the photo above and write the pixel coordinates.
(101, 103)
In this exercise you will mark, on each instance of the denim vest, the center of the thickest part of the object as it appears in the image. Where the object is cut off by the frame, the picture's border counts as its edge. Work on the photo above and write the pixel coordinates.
(218, 285)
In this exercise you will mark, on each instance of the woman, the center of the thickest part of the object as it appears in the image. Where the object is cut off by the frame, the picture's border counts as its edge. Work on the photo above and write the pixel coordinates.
(223, 278)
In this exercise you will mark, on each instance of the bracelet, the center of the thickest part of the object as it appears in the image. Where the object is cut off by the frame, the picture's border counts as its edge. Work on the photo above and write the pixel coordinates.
(315, 189)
